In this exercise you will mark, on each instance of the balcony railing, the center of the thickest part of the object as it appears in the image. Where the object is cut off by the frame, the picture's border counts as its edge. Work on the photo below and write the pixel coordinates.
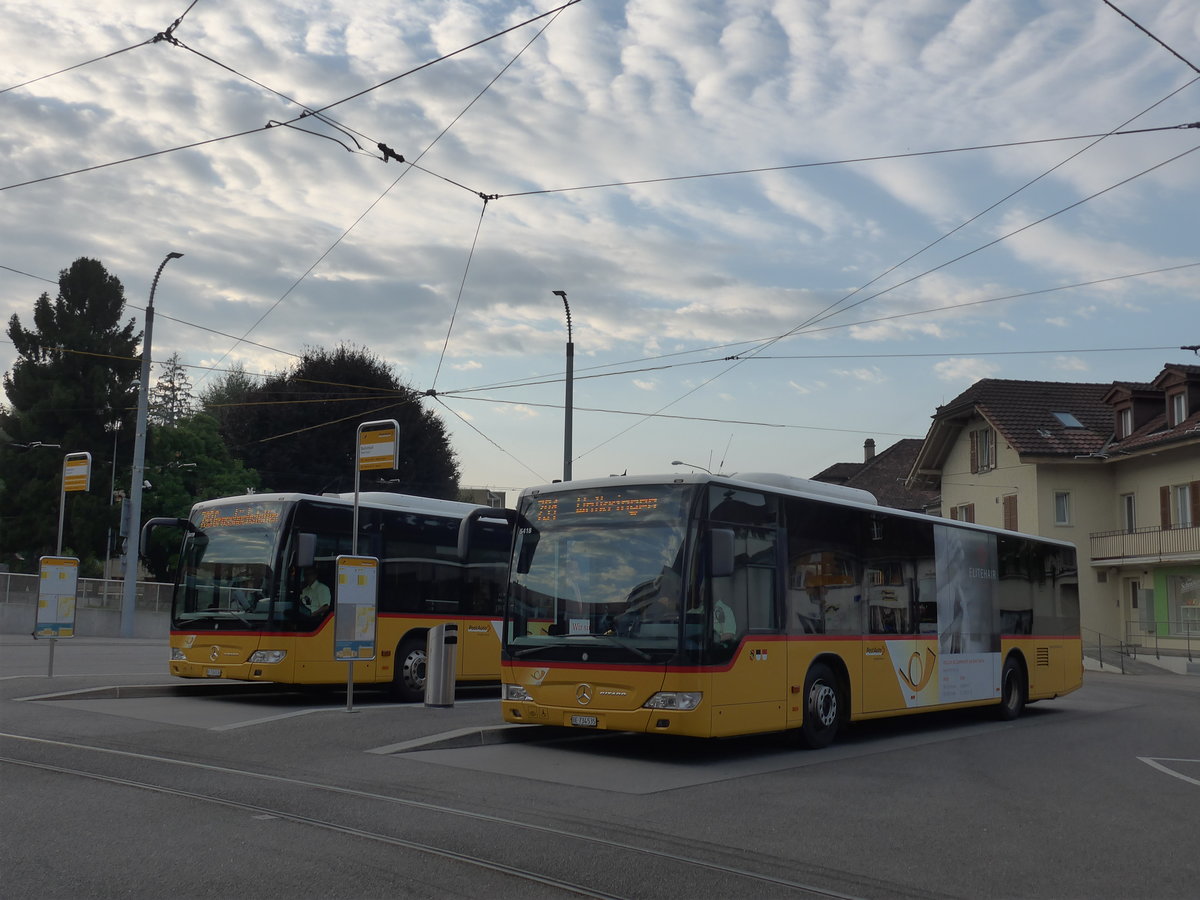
(1140, 543)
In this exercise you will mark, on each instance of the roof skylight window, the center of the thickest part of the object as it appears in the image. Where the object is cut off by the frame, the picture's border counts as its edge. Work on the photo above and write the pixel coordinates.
(1067, 420)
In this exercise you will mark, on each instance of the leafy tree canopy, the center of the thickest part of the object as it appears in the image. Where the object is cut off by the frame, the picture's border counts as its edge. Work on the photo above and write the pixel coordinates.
(71, 386)
(298, 428)
(186, 463)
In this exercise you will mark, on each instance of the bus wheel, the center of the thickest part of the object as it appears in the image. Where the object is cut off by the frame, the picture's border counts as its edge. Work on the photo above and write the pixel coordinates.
(1013, 693)
(822, 707)
(408, 680)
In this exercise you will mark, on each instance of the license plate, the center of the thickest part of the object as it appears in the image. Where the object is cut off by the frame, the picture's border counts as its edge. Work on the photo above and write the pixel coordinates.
(585, 721)
(212, 673)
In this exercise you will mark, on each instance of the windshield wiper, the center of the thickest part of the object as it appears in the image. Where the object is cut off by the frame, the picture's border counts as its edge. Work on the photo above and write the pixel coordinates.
(535, 649)
(621, 642)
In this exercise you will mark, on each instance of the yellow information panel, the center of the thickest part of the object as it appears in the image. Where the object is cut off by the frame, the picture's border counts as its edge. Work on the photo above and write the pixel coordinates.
(77, 472)
(355, 603)
(378, 448)
(56, 597)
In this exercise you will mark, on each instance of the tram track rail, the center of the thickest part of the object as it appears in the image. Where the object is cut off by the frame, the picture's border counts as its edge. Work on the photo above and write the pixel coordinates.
(734, 880)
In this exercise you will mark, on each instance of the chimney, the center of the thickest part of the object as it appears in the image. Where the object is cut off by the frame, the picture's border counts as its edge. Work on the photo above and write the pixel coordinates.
(868, 450)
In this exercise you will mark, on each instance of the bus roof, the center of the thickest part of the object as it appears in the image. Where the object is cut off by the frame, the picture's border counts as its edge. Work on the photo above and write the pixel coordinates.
(368, 499)
(788, 484)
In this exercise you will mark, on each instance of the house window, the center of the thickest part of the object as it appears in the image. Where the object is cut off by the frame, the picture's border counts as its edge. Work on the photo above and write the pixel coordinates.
(1129, 512)
(1010, 512)
(1067, 420)
(1062, 507)
(1182, 513)
(1125, 423)
(983, 450)
(1177, 404)
(1179, 505)
(964, 512)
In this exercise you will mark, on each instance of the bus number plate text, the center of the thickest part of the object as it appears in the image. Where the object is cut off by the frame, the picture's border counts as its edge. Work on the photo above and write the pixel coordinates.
(212, 673)
(585, 721)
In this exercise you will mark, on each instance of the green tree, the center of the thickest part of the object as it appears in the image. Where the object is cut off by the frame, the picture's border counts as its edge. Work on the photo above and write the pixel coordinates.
(226, 393)
(71, 386)
(298, 428)
(171, 396)
(186, 463)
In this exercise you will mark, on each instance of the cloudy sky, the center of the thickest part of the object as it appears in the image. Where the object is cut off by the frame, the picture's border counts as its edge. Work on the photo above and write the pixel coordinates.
(774, 223)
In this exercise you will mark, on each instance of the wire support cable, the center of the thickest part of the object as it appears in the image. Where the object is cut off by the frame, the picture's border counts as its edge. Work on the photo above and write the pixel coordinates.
(472, 426)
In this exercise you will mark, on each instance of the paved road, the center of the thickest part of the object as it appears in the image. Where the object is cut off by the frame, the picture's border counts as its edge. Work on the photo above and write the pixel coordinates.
(121, 782)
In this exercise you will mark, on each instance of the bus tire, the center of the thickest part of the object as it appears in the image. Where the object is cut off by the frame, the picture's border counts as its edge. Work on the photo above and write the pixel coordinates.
(408, 679)
(1014, 692)
(823, 707)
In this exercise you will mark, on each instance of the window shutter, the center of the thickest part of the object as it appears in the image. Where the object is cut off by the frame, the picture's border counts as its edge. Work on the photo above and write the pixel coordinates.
(1194, 492)
(969, 512)
(1010, 512)
(1164, 506)
(954, 512)
(974, 451)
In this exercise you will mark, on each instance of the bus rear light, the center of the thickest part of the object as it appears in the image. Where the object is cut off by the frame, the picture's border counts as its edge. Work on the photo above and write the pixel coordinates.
(674, 700)
(516, 692)
(267, 656)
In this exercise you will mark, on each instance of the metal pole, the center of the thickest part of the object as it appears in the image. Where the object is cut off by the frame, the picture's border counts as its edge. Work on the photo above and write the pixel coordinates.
(62, 508)
(132, 542)
(569, 404)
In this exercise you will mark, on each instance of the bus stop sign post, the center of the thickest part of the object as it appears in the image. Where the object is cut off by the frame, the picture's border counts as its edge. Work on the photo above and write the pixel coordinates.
(57, 594)
(355, 615)
(76, 476)
(378, 447)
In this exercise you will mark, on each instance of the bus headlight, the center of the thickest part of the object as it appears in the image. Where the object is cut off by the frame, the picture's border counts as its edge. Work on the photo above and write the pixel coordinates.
(177, 655)
(516, 692)
(267, 656)
(674, 700)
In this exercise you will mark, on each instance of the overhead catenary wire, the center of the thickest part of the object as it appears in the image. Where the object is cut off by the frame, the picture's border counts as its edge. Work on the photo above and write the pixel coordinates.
(1152, 36)
(550, 379)
(411, 164)
(464, 277)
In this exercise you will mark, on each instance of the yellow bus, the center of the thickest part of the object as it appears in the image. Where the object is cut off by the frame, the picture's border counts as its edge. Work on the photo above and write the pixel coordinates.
(252, 598)
(715, 606)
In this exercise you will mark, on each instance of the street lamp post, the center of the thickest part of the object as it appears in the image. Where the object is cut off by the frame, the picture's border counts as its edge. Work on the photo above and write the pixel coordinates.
(570, 400)
(133, 541)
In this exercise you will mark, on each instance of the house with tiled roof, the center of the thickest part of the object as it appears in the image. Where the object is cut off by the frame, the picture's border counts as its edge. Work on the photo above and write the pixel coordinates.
(884, 475)
(1113, 467)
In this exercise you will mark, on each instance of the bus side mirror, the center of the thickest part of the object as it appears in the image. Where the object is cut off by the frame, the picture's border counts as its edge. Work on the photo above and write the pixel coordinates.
(162, 522)
(721, 552)
(306, 549)
(526, 541)
(465, 526)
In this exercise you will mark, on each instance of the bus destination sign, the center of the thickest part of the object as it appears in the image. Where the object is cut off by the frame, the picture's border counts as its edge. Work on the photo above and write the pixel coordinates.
(595, 505)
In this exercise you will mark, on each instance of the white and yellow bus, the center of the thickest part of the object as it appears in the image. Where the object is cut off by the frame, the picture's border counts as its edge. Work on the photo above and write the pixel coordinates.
(713, 606)
(242, 608)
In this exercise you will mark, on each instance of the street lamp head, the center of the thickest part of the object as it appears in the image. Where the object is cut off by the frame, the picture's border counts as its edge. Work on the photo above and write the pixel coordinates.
(562, 294)
(173, 255)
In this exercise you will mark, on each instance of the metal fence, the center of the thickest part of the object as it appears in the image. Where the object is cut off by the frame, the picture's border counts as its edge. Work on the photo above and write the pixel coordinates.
(1163, 637)
(93, 593)
(97, 606)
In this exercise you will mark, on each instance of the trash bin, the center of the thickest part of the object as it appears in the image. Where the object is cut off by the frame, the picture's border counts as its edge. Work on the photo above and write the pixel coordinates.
(441, 647)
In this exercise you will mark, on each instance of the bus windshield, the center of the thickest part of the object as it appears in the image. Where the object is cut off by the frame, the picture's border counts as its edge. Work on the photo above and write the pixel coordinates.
(600, 570)
(228, 566)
